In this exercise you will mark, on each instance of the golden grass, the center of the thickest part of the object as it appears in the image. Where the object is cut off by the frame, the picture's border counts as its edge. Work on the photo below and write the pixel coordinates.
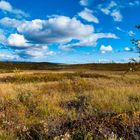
(39, 105)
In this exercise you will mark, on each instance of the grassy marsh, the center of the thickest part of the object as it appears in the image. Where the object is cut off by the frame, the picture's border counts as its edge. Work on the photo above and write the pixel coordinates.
(75, 105)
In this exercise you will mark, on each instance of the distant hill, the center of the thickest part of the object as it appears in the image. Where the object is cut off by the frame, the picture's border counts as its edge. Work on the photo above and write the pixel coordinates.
(53, 66)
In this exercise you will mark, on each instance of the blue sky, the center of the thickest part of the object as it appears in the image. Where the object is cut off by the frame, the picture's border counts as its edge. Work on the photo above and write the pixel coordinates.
(69, 31)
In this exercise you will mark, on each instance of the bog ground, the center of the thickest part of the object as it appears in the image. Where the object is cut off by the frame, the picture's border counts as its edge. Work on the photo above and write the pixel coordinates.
(69, 102)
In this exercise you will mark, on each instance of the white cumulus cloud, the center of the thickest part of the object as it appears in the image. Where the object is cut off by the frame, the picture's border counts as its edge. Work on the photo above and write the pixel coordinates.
(23, 47)
(6, 6)
(87, 15)
(17, 40)
(33, 37)
(105, 49)
(58, 29)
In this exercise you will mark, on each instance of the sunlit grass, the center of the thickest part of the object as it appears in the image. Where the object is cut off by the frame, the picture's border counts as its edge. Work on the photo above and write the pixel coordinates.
(47, 105)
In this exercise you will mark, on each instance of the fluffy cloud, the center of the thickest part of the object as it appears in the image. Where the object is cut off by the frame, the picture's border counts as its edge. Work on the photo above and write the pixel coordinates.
(8, 22)
(7, 56)
(58, 29)
(33, 37)
(6, 6)
(38, 53)
(23, 48)
(105, 49)
(112, 10)
(84, 2)
(90, 40)
(17, 40)
(87, 15)
(108, 9)
(116, 15)
(35, 51)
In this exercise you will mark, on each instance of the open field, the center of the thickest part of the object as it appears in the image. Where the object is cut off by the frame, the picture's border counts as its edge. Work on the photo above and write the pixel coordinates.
(70, 104)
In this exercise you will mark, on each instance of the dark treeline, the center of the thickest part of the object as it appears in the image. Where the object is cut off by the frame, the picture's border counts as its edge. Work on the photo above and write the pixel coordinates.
(53, 66)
